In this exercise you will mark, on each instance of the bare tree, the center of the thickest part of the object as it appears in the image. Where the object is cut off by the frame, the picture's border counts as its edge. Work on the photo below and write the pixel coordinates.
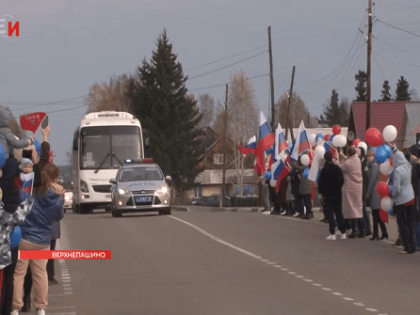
(206, 106)
(242, 118)
(298, 112)
(111, 96)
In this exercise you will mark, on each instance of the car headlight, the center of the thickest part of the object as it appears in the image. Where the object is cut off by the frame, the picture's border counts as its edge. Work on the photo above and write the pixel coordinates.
(67, 198)
(123, 191)
(162, 190)
(83, 186)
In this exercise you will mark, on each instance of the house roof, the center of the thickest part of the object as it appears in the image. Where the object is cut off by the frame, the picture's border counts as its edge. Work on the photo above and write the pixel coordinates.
(382, 114)
(416, 130)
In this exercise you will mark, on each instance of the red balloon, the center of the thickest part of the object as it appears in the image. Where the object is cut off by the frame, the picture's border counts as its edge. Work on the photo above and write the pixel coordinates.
(374, 137)
(336, 129)
(391, 160)
(383, 189)
(327, 137)
(356, 142)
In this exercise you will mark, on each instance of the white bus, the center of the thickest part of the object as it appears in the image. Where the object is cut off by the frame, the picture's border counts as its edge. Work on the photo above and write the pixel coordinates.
(101, 144)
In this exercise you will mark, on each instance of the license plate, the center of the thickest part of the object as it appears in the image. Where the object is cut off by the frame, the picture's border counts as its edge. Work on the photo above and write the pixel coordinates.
(143, 199)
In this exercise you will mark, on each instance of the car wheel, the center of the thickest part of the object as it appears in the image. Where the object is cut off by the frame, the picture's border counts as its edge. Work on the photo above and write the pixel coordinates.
(168, 211)
(115, 212)
(75, 208)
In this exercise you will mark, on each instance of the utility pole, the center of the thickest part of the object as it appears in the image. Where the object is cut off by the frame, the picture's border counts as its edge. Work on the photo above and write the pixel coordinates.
(273, 121)
(288, 107)
(224, 151)
(369, 52)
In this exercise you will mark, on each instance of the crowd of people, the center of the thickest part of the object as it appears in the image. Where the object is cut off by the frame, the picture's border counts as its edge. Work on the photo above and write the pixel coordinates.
(346, 187)
(36, 211)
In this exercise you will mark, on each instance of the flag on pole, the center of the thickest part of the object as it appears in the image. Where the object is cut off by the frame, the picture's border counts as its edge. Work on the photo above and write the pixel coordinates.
(265, 141)
(32, 121)
(279, 171)
(280, 143)
(250, 147)
(26, 186)
(302, 142)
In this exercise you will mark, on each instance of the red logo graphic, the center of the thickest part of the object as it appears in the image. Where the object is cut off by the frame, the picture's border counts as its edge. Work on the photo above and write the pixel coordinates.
(8, 26)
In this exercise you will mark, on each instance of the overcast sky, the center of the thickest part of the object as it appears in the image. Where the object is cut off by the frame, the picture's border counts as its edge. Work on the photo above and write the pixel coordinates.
(66, 46)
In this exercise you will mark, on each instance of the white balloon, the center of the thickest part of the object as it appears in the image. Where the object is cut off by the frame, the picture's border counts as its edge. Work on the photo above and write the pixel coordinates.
(386, 204)
(342, 140)
(273, 182)
(312, 139)
(363, 145)
(386, 167)
(336, 141)
(320, 151)
(304, 159)
(390, 133)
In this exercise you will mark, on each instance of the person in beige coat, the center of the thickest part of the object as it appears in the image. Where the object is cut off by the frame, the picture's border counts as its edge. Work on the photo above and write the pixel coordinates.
(352, 191)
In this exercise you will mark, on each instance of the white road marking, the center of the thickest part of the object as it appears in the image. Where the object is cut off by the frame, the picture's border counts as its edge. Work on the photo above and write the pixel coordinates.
(65, 313)
(262, 260)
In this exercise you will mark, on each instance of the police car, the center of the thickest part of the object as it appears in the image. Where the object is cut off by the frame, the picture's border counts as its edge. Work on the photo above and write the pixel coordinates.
(140, 186)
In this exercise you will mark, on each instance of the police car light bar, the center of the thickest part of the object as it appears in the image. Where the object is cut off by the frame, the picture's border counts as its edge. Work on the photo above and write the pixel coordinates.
(137, 161)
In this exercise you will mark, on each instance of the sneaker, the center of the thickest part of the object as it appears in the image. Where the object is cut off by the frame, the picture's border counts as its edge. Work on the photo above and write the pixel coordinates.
(343, 236)
(283, 213)
(338, 233)
(267, 212)
(296, 214)
(403, 252)
(14, 312)
(40, 312)
(331, 237)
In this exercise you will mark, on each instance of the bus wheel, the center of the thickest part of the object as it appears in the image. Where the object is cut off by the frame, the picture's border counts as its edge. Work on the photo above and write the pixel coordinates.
(84, 209)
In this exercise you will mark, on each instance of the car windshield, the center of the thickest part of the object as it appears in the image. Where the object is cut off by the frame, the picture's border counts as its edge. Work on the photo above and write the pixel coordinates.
(140, 173)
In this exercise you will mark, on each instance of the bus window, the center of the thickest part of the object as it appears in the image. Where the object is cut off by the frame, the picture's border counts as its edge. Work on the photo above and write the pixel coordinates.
(95, 146)
(125, 144)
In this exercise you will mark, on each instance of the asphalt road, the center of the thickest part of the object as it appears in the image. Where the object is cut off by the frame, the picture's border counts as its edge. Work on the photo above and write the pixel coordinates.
(203, 262)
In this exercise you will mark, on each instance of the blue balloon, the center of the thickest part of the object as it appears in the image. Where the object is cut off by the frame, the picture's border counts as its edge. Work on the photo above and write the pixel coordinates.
(388, 151)
(37, 147)
(391, 212)
(374, 148)
(319, 135)
(381, 154)
(306, 173)
(327, 146)
(3, 154)
(268, 175)
(332, 137)
(391, 189)
(15, 237)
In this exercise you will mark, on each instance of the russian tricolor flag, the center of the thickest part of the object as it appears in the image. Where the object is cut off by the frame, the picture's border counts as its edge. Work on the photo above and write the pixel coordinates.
(279, 171)
(250, 147)
(281, 143)
(302, 143)
(265, 141)
(265, 136)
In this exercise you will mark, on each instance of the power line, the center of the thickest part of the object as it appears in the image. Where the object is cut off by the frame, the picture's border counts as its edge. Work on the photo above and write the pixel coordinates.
(51, 103)
(210, 63)
(224, 84)
(398, 28)
(66, 110)
(396, 8)
(203, 74)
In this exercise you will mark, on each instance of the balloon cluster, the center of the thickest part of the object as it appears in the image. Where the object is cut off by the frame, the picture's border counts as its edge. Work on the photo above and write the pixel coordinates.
(385, 191)
(383, 153)
(15, 237)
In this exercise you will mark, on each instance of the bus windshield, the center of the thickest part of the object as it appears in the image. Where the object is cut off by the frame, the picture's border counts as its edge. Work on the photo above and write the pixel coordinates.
(105, 147)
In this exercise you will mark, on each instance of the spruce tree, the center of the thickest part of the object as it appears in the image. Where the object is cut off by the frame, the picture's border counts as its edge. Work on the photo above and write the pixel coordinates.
(401, 93)
(331, 114)
(344, 113)
(386, 92)
(171, 117)
(361, 79)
